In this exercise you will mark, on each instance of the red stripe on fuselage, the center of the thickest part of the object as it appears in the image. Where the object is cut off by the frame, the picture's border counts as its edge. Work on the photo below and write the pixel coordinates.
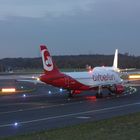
(63, 81)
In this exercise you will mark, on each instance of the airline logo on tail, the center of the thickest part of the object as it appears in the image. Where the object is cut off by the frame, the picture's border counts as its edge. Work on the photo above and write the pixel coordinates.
(47, 60)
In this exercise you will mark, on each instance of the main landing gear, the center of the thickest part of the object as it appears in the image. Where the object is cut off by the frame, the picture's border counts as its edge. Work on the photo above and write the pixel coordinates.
(73, 92)
(70, 93)
(99, 94)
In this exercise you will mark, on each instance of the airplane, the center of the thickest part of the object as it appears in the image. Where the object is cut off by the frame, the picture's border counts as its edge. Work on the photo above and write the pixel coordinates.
(77, 82)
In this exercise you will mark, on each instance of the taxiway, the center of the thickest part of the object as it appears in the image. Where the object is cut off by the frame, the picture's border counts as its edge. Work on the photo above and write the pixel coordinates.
(48, 108)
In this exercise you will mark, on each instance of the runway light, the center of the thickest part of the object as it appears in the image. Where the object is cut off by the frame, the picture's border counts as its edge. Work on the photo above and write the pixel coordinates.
(7, 90)
(60, 89)
(24, 95)
(134, 76)
(15, 124)
(33, 77)
(49, 92)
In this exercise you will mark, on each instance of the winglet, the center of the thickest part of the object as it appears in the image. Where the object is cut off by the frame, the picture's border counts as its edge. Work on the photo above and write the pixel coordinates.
(115, 62)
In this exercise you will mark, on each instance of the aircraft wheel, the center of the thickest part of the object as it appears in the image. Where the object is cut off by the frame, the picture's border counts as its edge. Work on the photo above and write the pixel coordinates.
(70, 94)
(99, 95)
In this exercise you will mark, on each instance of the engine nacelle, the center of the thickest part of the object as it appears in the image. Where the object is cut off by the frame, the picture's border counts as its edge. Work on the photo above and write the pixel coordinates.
(118, 89)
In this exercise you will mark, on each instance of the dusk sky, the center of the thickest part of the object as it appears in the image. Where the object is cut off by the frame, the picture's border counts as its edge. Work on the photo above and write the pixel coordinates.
(69, 27)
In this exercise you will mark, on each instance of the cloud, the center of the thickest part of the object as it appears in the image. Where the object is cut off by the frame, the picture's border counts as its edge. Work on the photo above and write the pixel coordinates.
(69, 27)
(43, 8)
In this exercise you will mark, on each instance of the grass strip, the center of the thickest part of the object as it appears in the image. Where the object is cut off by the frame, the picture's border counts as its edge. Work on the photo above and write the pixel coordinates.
(117, 128)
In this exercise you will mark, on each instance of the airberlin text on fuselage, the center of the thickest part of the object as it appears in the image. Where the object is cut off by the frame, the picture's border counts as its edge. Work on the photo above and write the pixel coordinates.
(104, 77)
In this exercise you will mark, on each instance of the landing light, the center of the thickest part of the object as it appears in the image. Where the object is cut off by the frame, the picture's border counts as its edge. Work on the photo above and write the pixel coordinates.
(38, 79)
(118, 70)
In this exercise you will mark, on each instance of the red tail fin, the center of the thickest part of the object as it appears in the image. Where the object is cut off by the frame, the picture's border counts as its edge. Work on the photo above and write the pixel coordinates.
(48, 64)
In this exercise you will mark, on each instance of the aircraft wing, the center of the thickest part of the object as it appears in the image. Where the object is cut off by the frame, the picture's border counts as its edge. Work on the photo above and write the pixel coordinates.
(29, 78)
(35, 81)
(128, 70)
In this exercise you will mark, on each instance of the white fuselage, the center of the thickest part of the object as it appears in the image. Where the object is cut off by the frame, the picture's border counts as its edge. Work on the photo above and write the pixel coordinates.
(99, 76)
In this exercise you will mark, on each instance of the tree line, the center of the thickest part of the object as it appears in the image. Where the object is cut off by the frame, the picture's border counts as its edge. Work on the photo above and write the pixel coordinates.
(70, 61)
